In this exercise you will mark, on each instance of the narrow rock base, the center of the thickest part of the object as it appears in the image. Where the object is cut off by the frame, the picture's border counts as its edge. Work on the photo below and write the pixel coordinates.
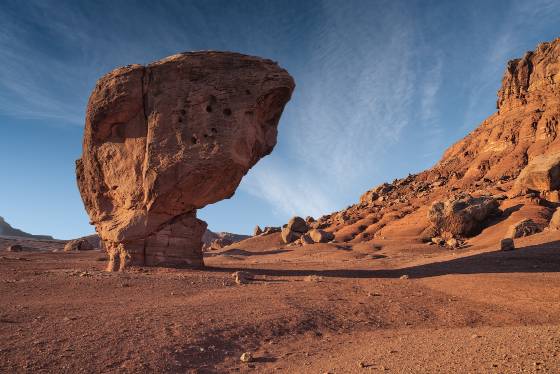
(177, 244)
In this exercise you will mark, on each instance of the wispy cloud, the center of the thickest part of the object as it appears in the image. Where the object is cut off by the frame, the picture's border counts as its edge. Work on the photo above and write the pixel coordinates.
(355, 108)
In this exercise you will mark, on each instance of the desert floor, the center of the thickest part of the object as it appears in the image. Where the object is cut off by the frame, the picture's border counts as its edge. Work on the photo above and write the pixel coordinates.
(323, 308)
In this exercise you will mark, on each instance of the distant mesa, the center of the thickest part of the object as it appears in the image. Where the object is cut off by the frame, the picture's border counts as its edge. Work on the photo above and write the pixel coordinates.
(7, 230)
(166, 139)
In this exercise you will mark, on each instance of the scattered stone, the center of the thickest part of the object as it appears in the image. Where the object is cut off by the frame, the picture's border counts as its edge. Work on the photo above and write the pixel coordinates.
(438, 240)
(242, 277)
(507, 244)
(452, 243)
(297, 224)
(81, 244)
(313, 278)
(166, 139)
(542, 173)
(555, 220)
(246, 357)
(306, 239)
(289, 236)
(14, 248)
(270, 230)
(321, 236)
(522, 228)
(463, 216)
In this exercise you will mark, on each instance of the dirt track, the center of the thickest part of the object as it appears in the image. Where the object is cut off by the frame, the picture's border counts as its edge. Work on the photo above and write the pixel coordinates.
(314, 309)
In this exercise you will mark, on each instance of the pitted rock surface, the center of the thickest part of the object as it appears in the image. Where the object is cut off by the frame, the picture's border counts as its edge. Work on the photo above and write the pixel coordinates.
(171, 137)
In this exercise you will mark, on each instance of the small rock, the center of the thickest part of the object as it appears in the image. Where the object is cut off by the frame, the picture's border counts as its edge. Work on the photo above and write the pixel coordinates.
(507, 244)
(242, 277)
(438, 240)
(246, 357)
(404, 276)
(15, 248)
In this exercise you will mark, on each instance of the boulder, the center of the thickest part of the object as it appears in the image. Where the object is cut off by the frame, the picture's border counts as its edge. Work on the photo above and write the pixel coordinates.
(166, 139)
(524, 227)
(81, 244)
(270, 230)
(242, 277)
(257, 231)
(542, 174)
(462, 216)
(306, 239)
(555, 220)
(14, 248)
(507, 244)
(321, 236)
(297, 224)
(289, 236)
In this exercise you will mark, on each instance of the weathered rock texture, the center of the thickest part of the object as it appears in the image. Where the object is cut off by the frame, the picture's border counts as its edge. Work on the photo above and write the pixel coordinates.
(520, 141)
(462, 216)
(166, 139)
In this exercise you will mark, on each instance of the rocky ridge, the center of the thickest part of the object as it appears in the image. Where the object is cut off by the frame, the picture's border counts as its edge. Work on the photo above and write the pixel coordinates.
(512, 160)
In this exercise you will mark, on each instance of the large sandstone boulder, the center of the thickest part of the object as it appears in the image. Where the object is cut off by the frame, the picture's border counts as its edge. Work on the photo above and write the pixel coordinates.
(463, 216)
(168, 138)
(541, 174)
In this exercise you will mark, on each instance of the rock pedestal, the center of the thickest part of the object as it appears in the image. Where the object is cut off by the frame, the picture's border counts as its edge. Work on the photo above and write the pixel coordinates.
(165, 139)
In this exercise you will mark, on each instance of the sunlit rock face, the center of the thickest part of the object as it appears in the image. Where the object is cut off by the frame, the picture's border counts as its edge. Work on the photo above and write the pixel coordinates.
(168, 138)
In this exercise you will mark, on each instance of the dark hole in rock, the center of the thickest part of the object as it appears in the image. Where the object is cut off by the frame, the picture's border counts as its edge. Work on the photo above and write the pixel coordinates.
(227, 112)
(214, 131)
(194, 140)
(179, 120)
(248, 92)
(183, 112)
(209, 109)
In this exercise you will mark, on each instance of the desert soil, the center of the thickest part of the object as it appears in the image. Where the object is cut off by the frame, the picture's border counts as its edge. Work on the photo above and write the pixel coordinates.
(381, 306)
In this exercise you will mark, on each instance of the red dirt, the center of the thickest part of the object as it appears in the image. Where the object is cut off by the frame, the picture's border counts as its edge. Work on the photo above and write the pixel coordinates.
(338, 308)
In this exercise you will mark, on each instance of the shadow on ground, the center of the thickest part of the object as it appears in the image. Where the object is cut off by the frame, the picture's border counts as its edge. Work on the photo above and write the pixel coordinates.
(531, 259)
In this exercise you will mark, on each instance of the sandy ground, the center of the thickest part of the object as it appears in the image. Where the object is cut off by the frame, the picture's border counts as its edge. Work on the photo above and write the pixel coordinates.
(324, 308)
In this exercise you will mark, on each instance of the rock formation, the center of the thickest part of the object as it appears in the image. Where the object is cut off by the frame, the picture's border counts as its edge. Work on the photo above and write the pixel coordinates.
(168, 138)
(216, 240)
(7, 230)
(462, 216)
(513, 152)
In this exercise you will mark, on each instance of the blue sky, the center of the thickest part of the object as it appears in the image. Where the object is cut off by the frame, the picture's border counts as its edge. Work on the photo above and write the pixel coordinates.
(383, 87)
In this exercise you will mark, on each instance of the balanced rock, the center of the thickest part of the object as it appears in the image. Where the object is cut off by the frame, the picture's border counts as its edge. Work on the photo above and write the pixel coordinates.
(171, 137)
(463, 216)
